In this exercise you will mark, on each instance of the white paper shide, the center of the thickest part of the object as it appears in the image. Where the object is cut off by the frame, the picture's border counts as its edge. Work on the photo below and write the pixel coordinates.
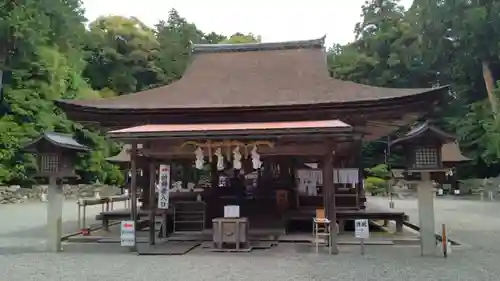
(200, 161)
(237, 158)
(256, 158)
(164, 187)
(220, 159)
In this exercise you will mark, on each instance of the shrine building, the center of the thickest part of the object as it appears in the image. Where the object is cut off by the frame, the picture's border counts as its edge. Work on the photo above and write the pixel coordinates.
(262, 126)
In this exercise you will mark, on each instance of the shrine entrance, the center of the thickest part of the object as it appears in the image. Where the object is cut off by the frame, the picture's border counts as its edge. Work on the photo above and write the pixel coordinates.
(272, 85)
(250, 165)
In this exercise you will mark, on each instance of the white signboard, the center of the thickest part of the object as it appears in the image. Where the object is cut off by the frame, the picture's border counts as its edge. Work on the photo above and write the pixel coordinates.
(231, 211)
(362, 229)
(127, 235)
(164, 187)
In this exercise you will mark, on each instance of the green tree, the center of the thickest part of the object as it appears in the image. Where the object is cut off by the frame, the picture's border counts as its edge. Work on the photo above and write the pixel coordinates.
(239, 38)
(42, 58)
(122, 56)
(461, 38)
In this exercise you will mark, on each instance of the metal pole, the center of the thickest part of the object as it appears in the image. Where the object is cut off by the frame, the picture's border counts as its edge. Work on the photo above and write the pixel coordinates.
(362, 246)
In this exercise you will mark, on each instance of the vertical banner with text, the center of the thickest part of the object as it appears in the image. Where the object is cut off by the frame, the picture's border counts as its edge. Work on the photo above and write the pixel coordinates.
(164, 186)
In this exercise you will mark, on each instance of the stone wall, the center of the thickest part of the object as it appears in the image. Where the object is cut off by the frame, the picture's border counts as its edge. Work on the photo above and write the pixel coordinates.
(15, 194)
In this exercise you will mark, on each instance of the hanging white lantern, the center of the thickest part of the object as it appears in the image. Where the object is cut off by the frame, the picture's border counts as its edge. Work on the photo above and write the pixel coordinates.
(237, 158)
(200, 161)
(220, 159)
(256, 158)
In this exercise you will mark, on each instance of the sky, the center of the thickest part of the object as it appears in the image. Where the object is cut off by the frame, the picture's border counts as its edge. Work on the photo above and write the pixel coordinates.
(273, 20)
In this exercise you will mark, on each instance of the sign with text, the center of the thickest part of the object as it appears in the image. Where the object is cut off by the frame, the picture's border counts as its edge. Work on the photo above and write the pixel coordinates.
(127, 234)
(164, 187)
(231, 211)
(362, 229)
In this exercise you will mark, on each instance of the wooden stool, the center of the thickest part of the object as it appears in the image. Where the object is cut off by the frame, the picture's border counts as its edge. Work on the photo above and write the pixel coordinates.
(322, 230)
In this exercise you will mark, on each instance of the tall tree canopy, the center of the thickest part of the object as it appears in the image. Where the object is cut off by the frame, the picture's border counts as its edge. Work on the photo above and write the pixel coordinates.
(48, 53)
(449, 42)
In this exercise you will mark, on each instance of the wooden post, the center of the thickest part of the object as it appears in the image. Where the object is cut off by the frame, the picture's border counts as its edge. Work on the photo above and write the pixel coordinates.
(133, 189)
(144, 182)
(359, 161)
(325, 191)
(329, 197)
(444, 240)
(152, 205)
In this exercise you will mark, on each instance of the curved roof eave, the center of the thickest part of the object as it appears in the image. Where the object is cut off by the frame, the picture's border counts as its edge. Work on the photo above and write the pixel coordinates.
(72, 106)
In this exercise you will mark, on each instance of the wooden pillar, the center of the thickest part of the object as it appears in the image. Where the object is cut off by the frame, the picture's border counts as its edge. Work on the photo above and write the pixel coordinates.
(186, 175)
(214, 174)
(152, 205)
(329, 194)
(326, 190)
(145, 183)
(133, 189)
(359, 164)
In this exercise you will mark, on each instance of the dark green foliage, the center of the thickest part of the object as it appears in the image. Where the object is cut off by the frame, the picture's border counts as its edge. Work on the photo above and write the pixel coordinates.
(47, 53)
(433, 43)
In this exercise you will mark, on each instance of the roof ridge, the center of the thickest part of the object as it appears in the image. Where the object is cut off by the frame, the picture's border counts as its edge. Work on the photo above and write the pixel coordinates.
(266, 46)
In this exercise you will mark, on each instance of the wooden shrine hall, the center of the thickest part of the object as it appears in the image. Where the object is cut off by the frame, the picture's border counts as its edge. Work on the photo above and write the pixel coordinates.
(262, 126)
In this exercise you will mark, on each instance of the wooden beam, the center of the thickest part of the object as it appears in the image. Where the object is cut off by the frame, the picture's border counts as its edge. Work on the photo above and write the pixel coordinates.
(188, 152)
(152, 193)
(329, 193)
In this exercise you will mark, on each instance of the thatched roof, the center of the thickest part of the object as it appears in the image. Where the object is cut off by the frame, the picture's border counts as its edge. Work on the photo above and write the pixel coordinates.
(252, 75)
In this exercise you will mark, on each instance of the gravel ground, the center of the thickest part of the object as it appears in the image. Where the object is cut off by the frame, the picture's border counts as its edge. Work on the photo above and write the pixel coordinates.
(478, 261)
(23, 225)
(471, 222)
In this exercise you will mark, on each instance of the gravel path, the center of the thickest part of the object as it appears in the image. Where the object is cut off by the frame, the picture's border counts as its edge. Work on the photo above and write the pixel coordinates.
(286, 262)
(476, 223)
(23, 225)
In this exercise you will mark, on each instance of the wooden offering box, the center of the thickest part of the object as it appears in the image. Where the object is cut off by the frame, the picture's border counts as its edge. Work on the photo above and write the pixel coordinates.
(230, 233)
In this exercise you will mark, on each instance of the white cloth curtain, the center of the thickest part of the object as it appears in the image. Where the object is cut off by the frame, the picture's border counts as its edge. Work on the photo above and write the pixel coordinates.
(308, 180)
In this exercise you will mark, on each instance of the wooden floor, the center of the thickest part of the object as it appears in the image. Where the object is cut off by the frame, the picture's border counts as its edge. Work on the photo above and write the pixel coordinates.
(264, 215)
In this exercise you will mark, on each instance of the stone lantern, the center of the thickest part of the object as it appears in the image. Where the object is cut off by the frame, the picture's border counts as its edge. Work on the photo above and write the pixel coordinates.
(422, 150)
(422, 147)
(55, 158)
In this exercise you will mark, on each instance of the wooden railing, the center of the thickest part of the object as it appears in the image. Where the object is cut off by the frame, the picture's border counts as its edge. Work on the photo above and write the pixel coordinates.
(107, 204)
